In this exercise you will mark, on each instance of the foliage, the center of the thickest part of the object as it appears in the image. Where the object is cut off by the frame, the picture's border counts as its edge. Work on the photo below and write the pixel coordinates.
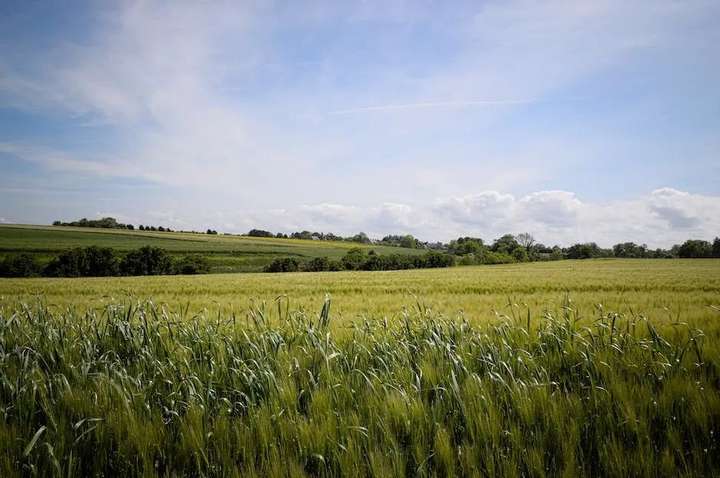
(105, 223)
(588, 250)
(407, 241)
(225, 253)
(360, 237)
(147, 260)
(630, 249)
(695, 249)
(283, 264)
(357, 259)
(90, 261)
(19, 265)
(259, 233)
(466, 245)
(354, 259)
(192, 264)
(138, 390)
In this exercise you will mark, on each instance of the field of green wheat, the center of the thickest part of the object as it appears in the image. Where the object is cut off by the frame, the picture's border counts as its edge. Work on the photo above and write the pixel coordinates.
(569, 368)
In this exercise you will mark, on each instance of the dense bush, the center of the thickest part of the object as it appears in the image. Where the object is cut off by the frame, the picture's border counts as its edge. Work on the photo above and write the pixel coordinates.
(354, 259)
(192, 264)
(260, 233)
(320, 264)
(146, 261)
(90, 261)
(357, 259)
(283, 264)
(695, 249)
(104, 223)
(19, 265)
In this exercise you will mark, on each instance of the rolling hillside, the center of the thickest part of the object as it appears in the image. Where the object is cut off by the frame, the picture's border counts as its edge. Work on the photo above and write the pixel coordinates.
(226, 253)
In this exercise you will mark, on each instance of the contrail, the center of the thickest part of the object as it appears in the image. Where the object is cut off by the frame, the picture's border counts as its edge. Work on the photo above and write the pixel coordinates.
(430, 104)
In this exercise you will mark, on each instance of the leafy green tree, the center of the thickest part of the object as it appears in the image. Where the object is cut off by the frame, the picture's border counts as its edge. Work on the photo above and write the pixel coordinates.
(354, 259)
(716, 247)
(283, 264)
(695, 249)
(318, 264)
(520, 254)
(629, 249)
(100, 262)
(83, 262)
(360, 237)
(192, 264)
(505, 244)
(20, 265)
(147, 260)
(587, 250)
(409, 242)
(466, 245)
(434, 259)
(259, 233)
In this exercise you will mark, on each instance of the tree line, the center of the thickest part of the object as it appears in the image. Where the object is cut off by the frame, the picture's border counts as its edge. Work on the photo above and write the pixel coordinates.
(357, 259)
(94, 261)
(524, 248)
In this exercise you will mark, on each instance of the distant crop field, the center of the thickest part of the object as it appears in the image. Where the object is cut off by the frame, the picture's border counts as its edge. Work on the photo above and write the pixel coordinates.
(226, 253)
(662, 289)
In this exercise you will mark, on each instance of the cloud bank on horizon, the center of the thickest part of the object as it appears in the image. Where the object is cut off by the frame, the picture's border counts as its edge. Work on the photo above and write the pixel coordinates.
(571, 120)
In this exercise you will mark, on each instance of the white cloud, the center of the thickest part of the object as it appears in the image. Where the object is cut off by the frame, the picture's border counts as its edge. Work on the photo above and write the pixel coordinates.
(553, 217)
(556, 209)
(682, 210)
(158, 78)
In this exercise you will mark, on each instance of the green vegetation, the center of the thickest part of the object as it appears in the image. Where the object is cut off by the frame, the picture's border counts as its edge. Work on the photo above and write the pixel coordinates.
(139, 390)
(662, 289)
(104, 223)
(357, 259)
(224, 253)
(96, 261)
(483, 370)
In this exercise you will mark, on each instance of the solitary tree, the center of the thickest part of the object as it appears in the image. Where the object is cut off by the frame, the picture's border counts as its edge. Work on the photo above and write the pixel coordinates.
(526, 240)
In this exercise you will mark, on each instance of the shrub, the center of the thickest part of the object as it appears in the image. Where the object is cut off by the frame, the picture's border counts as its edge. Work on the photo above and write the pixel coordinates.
(283, 264)
(438, 259)
(259, 233)
(90, 261)
(317, 264)
(354, 259)
(192, 264)
(21, 265)
(148, 260)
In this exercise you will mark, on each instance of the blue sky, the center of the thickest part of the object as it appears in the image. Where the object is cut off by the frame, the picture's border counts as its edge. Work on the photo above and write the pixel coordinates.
(571, 120)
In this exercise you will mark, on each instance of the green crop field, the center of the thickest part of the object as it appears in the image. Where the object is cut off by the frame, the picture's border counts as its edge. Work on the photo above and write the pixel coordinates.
(226, 253)
(573, 368)
(662, 289)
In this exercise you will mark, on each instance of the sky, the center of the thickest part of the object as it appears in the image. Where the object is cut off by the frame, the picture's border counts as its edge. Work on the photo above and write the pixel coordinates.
(574, 121)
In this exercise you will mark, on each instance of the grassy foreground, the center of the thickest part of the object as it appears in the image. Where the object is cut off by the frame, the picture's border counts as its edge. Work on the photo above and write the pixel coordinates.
(136, 390)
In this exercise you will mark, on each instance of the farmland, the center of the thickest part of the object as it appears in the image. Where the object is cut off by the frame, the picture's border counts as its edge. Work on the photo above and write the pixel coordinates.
(576, 367)
(225, 253)
(662, 289)
(408, 373)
